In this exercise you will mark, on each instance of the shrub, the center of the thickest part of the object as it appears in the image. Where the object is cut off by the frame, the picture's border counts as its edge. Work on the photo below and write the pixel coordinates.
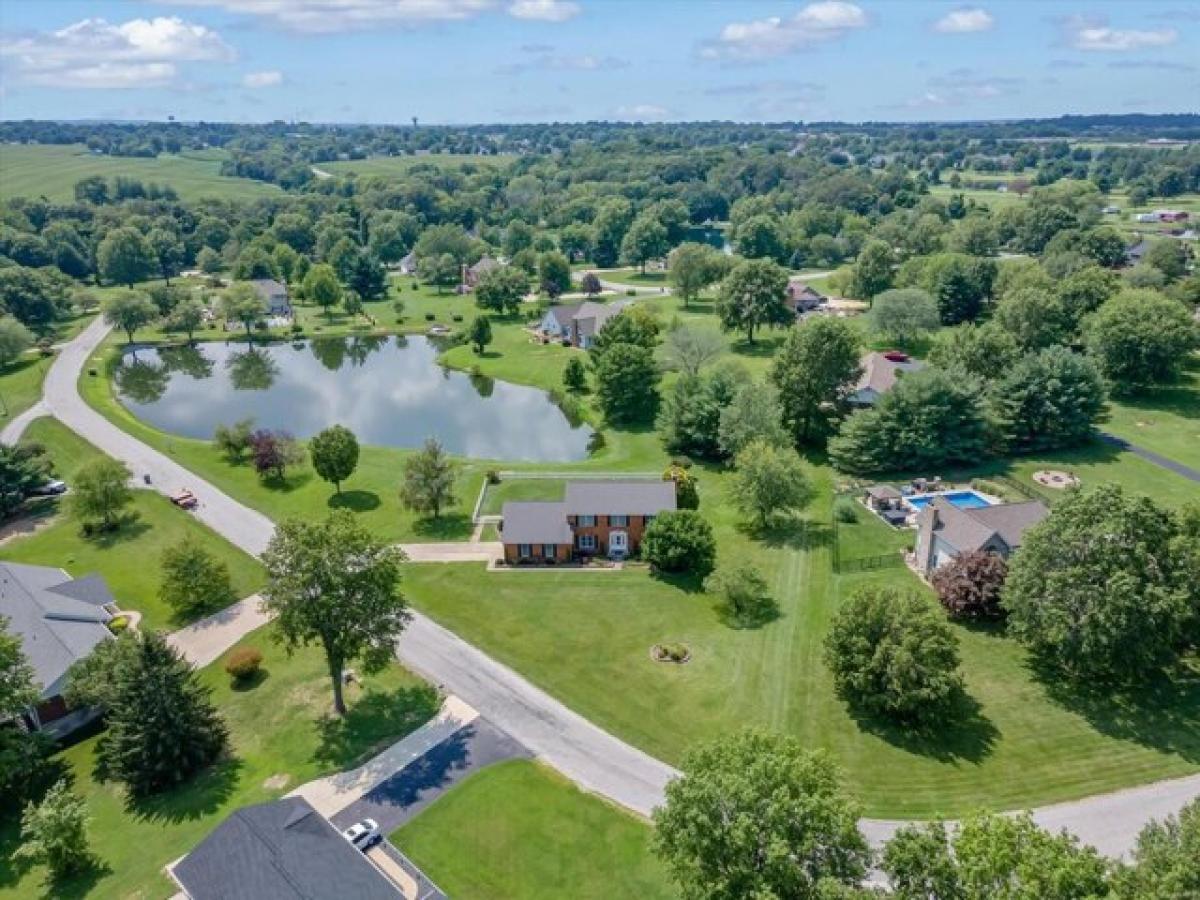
(630, 292)
(429, 317)
(892, 653)
(680, 541)
(969, 587)
(674, 651)
(744, 594)
(493, 477)
(244, 663)
(457, 317)
(846, 511)
(117, 624)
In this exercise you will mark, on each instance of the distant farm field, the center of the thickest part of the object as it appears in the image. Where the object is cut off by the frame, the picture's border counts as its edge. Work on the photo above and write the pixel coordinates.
(51, 170)
(400, 165)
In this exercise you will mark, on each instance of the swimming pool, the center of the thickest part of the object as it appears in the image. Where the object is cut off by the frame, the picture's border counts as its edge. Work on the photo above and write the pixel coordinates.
(961, 499)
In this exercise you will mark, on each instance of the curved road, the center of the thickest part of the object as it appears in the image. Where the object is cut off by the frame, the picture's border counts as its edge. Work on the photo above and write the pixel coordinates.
(582, 751)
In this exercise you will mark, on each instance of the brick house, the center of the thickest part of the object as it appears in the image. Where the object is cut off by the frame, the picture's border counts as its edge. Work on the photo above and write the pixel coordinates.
(595, 518)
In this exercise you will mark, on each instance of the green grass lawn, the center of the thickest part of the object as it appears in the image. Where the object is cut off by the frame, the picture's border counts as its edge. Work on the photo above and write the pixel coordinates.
(36, 170)
(521, 831)
(129, 557)
(1165, 420)
(282, 736)
(21, 384)
(586, 638)
(520, 489)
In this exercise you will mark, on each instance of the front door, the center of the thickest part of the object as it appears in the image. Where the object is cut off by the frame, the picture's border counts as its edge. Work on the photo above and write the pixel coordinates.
(618, 543)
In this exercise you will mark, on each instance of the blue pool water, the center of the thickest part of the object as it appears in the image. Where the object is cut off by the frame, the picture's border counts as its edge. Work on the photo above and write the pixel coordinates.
(961, 499)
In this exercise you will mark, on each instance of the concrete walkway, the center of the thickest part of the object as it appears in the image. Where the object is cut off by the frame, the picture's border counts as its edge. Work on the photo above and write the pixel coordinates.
(450, 552)
(203, 642)
(587, 754)
(333, 793)
(1150, 456)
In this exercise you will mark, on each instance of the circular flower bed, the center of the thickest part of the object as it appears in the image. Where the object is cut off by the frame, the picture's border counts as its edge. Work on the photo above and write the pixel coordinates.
(672, 652)
(1056, 478)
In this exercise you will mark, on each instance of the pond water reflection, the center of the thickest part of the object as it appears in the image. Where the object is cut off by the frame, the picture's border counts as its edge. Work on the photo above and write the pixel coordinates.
(389, 391)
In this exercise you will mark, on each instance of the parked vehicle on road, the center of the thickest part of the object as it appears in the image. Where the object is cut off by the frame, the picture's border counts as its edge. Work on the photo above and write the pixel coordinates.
(364, 835)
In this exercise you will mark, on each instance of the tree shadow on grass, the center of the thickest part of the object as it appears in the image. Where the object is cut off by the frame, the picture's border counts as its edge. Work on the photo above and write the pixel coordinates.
(250, 682)
(78, 884)
(1161, 712)
(205, 793)
(288, 483)
(962, 734)
(378, 719)
(450, 527)
(767, 613)
(130, 527)
(792, 533)
(688, 582)
(355, 501)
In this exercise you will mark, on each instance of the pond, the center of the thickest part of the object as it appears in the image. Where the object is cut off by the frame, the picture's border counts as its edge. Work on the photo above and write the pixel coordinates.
(389, 391)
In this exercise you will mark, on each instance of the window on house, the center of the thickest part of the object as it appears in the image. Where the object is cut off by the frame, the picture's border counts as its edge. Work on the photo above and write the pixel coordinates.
(587, 542)
(524, 551)
(618, 521)
(585, 521)
(548, 551)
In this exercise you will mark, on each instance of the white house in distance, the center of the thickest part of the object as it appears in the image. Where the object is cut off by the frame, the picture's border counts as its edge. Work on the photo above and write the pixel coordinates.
(274, 297)
(579, 323)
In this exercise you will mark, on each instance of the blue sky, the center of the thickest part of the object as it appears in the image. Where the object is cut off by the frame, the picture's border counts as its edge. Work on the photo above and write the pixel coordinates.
(455, 61)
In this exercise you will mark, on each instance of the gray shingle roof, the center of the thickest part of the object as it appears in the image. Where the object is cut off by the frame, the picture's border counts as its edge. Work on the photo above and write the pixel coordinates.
(620, 498)
(972, 529)
(879, 374)
(57, 620)
(535, 523)
(593, 316)
(283, 850)
(564, 314)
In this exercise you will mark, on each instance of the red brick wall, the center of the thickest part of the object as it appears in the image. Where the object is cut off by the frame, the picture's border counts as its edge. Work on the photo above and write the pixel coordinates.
(635, 529)
(562, 554)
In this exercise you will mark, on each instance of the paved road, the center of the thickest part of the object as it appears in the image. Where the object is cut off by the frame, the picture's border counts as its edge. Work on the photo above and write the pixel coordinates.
(1151, 457)
(582, 751)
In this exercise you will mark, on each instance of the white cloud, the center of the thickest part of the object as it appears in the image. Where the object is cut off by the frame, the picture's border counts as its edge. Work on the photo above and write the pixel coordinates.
(550, 62)
(544, 10)
(965, 20)
(642, 112)
(93, 53)
(269, 78)
(960, 87)
(775, 36)
(1095, 34)
(327, 16)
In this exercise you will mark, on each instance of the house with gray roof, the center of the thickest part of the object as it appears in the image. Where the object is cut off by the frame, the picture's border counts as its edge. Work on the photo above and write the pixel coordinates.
(594, 518)
(945, 531)
(880, 372)
(284, 850)
(579, 323)
(59, 620)
(274, 297)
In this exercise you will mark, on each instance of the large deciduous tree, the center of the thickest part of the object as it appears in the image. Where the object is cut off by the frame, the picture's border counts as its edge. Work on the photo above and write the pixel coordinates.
(892, 653)
(129, 311)
(691, 268)
(321, 286)
(752, 297)
(680, 541)
(23, 467)
(769, 481)
(193, 579)
(502, 290)
(1141, 338)
(54, 832)
(872, 273)
(334, 454)
(333, 584)
(626, 378)
(813, 371)
(754, 414)
(757, 815)
(992, 856)
(429, 477)
(1105, 587)
(903, 316)
(15, 339)
(242, 304)
(125, 257)
(21, 752)
(645, 240)
(99, 492)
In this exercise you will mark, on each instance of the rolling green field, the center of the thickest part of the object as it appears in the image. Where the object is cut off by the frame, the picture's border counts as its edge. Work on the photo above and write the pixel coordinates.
(51, 170)
(1165, 419)
(281, 735)
(520, 830)
(128, 558)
